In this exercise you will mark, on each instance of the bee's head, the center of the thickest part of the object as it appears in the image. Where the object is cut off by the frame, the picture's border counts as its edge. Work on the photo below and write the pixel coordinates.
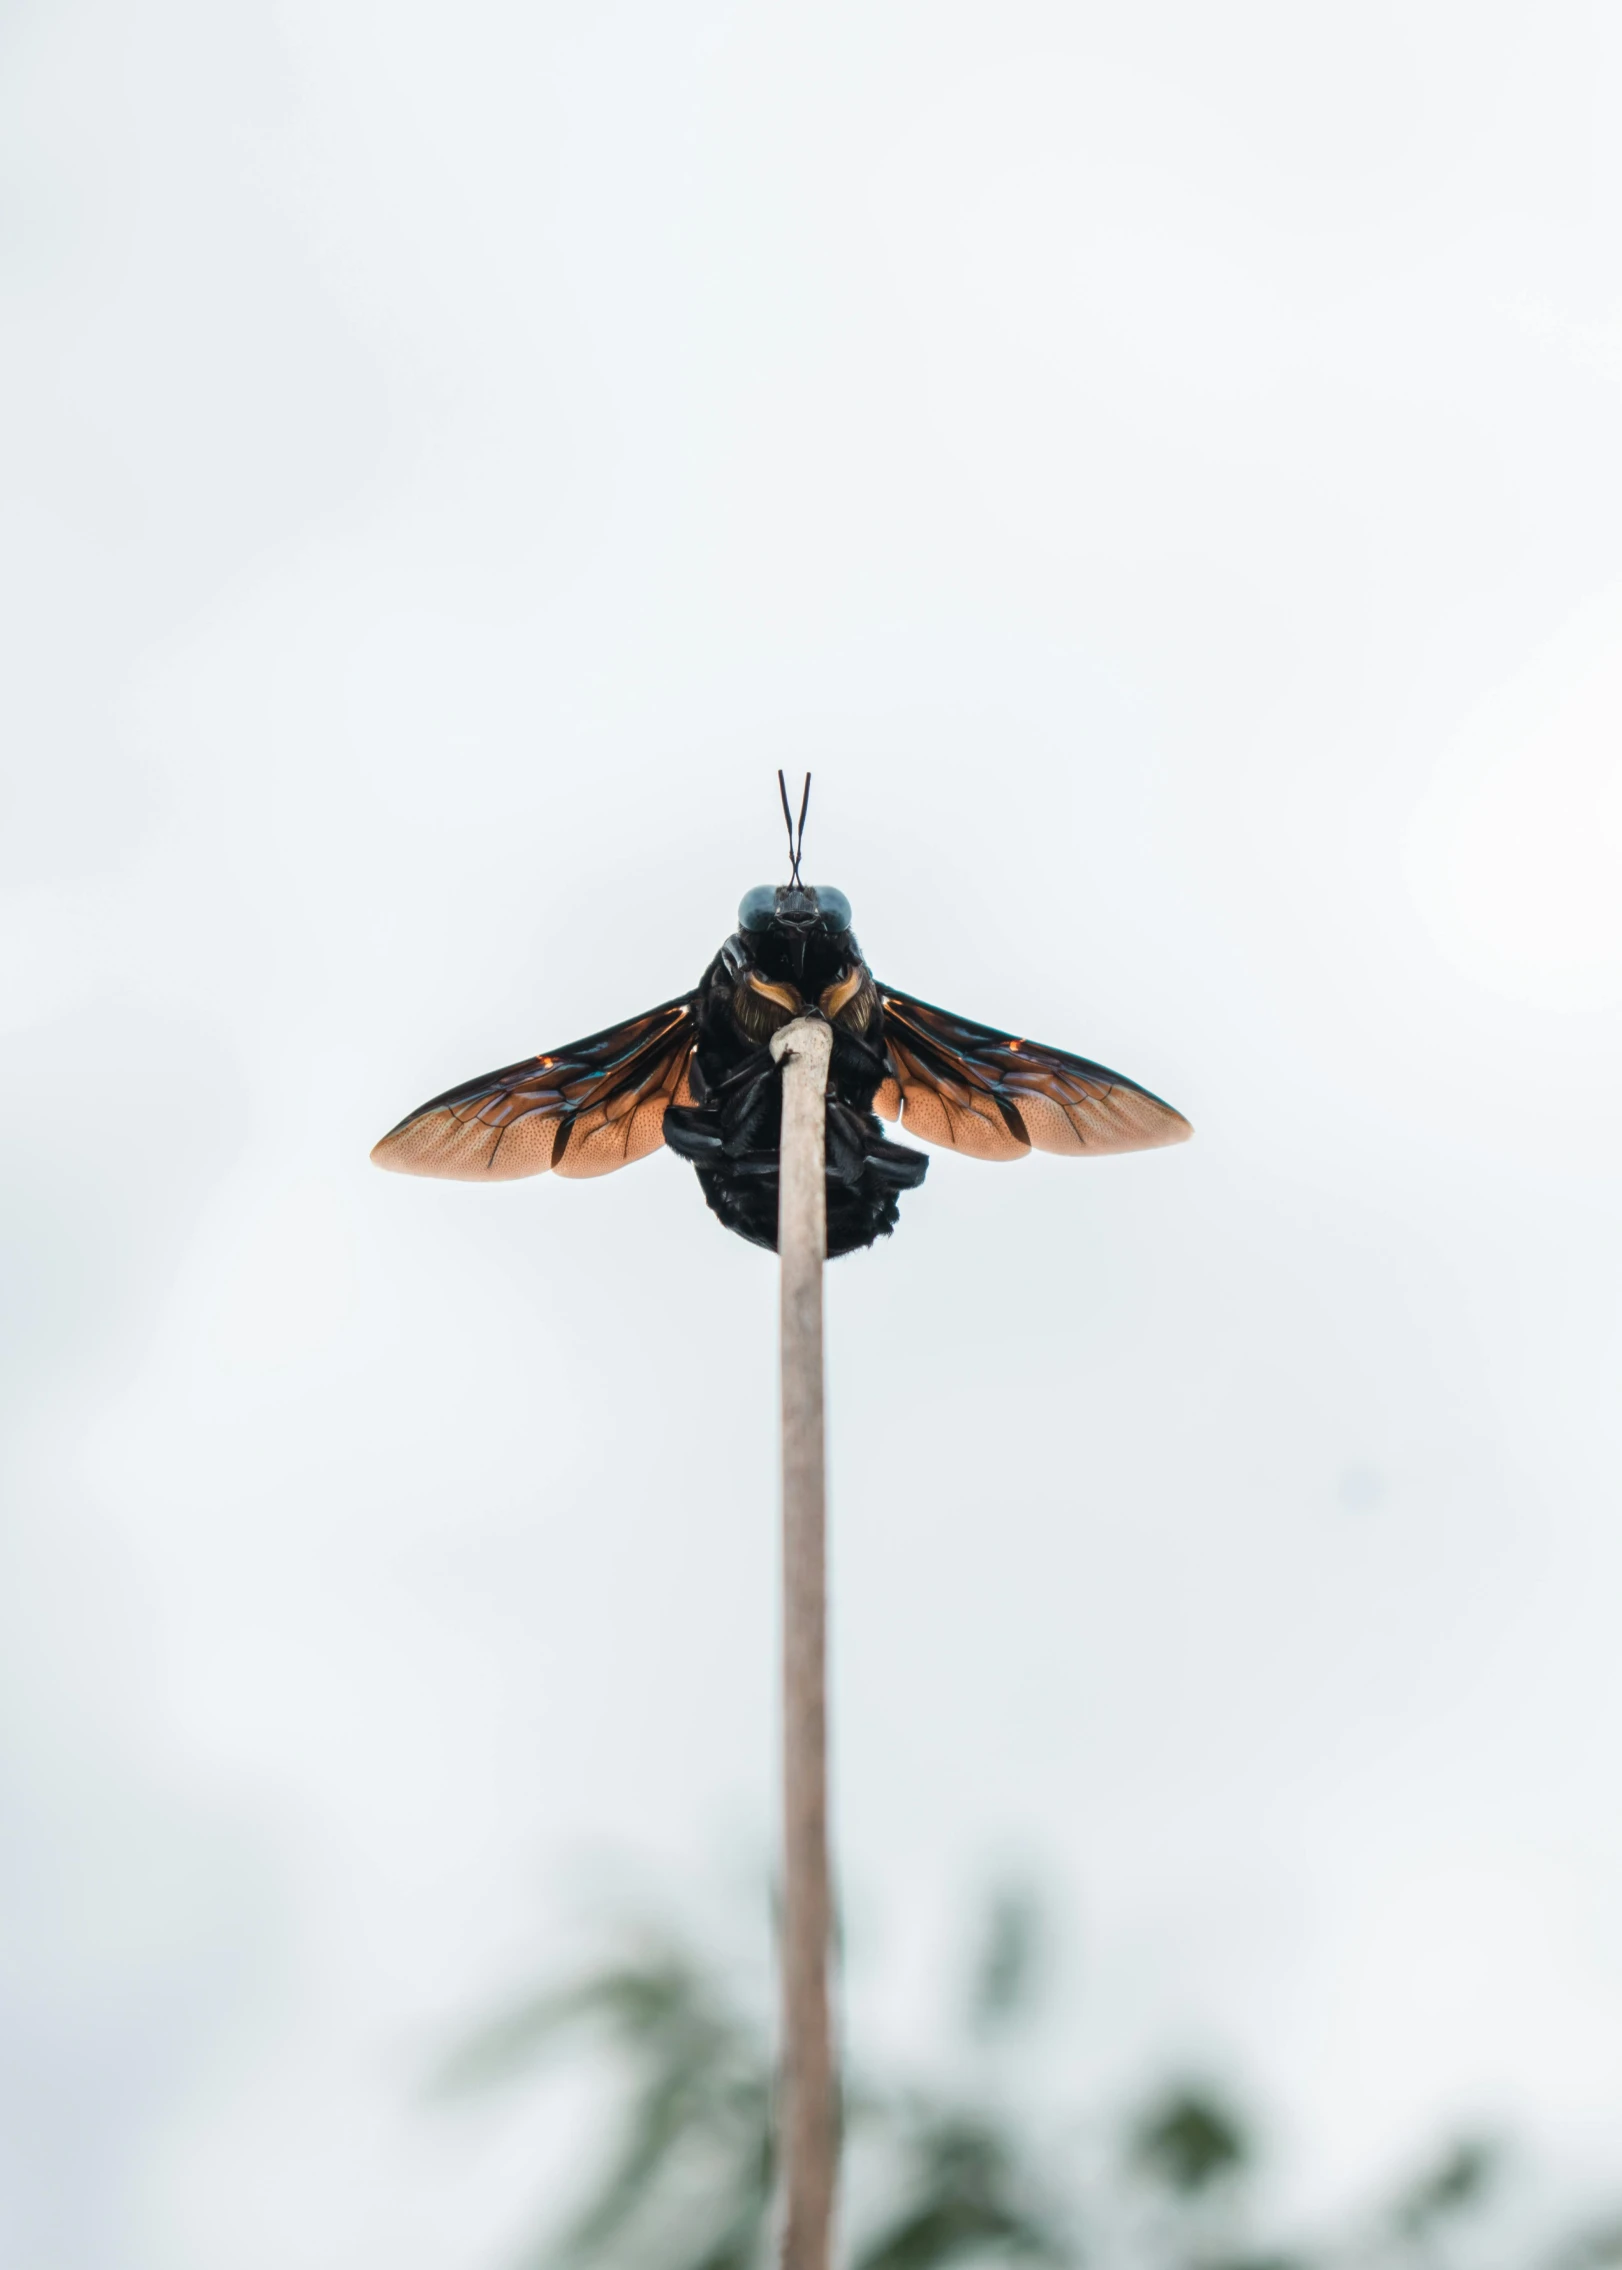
(794, 907)
(794, 912)
(798, 936)
(795, 938)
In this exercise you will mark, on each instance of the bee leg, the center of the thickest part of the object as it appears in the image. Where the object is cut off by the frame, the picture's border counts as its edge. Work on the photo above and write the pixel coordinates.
(894, 1166)
(753, 1164)
(845, 1145)
(750, 1106)
(691, 1132)
(736, 1115)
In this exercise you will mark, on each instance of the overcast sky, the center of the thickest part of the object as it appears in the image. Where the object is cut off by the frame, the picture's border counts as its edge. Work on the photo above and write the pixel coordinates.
(1162, 468)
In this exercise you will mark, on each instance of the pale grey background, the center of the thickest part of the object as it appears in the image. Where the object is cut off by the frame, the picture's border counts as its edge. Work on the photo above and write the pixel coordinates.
(1163, 468)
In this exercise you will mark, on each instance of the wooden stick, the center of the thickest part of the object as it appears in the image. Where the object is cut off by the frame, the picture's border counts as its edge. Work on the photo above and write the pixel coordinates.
(809, 2122)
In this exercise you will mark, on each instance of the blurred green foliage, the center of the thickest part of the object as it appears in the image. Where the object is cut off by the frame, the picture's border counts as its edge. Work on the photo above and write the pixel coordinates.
(1188, 2141)
(1596, 2249)
(937, 2175)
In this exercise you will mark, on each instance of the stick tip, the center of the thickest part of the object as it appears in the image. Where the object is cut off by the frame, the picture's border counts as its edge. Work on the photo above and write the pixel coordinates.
(810, 1037)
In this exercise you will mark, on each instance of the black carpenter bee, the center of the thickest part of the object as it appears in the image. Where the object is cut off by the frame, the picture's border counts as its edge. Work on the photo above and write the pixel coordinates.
(697, 1073)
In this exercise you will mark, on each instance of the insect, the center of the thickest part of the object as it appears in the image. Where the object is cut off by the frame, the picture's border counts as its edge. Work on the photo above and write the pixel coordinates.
(697, 1074)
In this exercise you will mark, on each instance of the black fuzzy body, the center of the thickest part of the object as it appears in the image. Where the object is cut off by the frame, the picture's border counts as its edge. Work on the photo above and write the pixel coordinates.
(731, 1131)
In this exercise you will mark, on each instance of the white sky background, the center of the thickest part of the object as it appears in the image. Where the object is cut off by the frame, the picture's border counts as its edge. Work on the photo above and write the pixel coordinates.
(1162, 467)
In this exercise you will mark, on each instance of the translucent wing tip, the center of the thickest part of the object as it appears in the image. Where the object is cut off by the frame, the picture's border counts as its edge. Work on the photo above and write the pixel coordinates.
(439, 1144)
(1173, 1126)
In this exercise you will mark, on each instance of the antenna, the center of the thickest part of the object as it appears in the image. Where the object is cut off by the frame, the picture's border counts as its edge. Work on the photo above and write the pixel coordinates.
(796, 839)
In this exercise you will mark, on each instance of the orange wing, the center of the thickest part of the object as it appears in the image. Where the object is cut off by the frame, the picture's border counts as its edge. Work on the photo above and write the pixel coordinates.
(991, 1096)
(592, 1107)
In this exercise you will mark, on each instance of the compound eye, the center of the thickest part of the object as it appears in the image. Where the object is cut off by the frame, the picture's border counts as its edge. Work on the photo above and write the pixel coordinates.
(833, 906)
(757, 907)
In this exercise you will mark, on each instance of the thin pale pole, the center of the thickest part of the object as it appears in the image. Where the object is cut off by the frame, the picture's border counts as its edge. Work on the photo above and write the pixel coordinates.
(809, 2122)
